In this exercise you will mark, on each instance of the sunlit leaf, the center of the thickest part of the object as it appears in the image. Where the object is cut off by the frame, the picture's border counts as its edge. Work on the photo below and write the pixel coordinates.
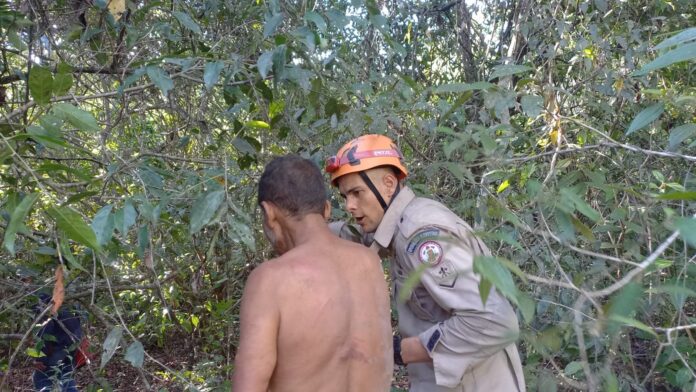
(62, 80)
(79, 118)
(258, 124)
(70, 222)
(688, 195)
(503, 186)
(645, 117)
(679, 54)
(40, 84)
(632, 323)
(497, 274)
(685, 36)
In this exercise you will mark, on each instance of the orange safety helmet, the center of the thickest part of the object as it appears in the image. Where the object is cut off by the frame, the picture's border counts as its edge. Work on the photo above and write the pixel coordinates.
(363, 153)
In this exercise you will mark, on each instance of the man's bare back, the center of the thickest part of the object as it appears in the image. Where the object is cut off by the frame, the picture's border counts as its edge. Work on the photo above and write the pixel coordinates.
(316, 318)
(335, 332)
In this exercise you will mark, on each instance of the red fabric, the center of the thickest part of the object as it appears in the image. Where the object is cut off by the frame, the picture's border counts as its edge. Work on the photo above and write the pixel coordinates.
(83, 356)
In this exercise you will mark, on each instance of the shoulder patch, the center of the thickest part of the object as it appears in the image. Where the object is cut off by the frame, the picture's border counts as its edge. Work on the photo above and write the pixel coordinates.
(430, 253)
(420, 237)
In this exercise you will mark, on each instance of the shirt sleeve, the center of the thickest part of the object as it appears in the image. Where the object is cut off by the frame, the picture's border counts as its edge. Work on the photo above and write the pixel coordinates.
(350, 232)
(473, 331)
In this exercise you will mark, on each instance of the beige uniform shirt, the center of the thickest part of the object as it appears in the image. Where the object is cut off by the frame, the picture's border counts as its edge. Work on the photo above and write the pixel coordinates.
(472, 345)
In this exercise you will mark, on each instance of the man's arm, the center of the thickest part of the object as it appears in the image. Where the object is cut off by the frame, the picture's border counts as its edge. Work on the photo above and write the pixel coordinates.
(259, 317)
(475, 331)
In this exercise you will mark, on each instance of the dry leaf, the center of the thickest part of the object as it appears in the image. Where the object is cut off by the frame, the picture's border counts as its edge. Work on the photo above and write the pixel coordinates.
(117, 8)
(58, 290)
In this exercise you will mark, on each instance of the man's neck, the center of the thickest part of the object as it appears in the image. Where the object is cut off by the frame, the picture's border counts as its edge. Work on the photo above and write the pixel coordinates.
(305, 229)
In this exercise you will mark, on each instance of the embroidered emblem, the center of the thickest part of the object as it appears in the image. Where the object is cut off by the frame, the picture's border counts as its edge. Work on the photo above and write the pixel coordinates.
(445, 274)
(420, 237)
(430, 253)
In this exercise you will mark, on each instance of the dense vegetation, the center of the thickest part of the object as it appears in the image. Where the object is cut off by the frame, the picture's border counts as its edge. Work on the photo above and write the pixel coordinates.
(133, 133)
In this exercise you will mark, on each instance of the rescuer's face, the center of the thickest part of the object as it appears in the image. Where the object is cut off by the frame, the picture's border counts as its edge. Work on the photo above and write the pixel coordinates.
(360, 202)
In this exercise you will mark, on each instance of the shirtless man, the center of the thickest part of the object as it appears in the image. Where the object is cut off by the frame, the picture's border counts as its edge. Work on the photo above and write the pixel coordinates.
(317, 317)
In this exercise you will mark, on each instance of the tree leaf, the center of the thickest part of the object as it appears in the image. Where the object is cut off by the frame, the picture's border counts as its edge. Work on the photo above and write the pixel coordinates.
(580, 204)
(686, 35)
(103, 224)
(532, 105)
(645, 117)
(160, 78)
(507, 70)
(111, 344)
(265, 63)
(279, 62)
(493, 270)
(62, 80)
(315, 18)
(688, 195)
(135, 354)
(16, 220)
(212, 73)
(462, 87)
(79, 118)
(186, 20)
(258, 124)
(631, 322)
(204, 209)
(681, 53)
(129, 216)
(572, 368)
(40, 84)
(679, 134)
(70, 222)
(271, 24)
(687, 229)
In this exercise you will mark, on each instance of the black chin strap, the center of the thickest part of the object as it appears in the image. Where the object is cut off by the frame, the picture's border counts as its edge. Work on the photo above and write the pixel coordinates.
(374, 190)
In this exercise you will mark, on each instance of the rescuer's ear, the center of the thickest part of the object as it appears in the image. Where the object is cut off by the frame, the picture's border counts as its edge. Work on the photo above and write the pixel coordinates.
(390, 182)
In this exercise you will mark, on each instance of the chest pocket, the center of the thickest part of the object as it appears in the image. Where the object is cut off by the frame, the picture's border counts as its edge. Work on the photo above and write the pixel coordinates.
(424, 307)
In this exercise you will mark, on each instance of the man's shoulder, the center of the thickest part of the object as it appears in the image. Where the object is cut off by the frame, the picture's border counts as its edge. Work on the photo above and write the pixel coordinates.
(423, 213)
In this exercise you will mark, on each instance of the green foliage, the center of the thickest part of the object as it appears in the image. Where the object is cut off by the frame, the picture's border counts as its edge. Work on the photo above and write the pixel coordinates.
(563, 131)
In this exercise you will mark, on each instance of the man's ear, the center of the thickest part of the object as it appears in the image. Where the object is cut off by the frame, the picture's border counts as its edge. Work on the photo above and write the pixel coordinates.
(270, 213)
(390, 182)
(327, 210)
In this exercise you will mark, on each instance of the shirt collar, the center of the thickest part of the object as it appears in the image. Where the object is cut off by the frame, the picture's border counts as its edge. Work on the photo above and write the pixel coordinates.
(385, 230)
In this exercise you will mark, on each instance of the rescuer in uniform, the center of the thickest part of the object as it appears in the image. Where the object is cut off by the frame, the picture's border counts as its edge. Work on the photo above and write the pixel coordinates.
(449, 339)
